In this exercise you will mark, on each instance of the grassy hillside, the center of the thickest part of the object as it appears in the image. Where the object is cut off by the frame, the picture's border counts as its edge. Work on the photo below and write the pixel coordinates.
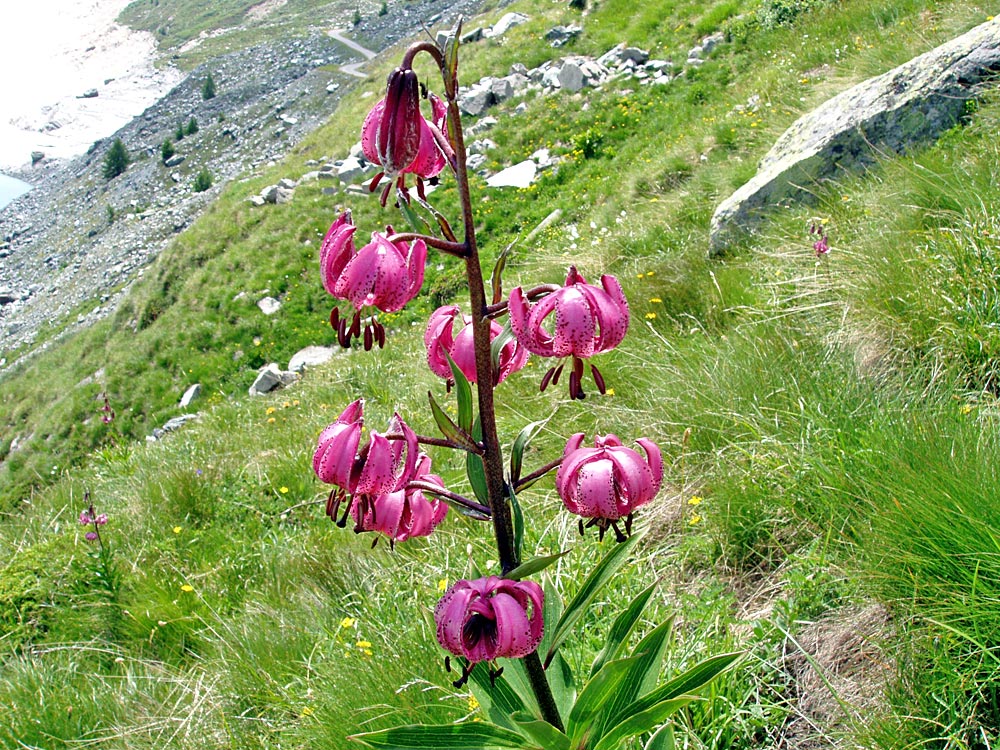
(829, 426)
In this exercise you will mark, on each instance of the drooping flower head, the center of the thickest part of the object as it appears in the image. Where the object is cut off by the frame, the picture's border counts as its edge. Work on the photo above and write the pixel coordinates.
(578, 321)
(822, 245)
(608, 482)
(440, 339)
(384, 464)
(405, 513)
(90, 517)
(383, 274)
(489, 618)
(398, 137)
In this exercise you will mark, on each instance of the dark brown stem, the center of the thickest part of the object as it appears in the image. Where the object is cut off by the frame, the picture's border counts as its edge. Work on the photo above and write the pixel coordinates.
(458, 249)
(496, 486)
(532, 294)
(427, 440)
(415, 49)
(434, 489)
(538, 473)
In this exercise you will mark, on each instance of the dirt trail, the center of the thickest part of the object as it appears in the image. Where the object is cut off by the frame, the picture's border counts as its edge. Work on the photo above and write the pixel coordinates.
(353, 68)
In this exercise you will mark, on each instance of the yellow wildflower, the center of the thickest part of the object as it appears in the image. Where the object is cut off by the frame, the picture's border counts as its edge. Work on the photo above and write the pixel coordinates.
(347, 622)
(694, 500)
(655, 300)
(271, 410)
(177, 529)
(443, 585)
(283, 490)
(650, 316)
(695, 519)
(187, 587)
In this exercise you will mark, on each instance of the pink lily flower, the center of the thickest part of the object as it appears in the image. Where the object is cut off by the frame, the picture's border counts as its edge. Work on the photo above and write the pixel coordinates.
(338, 444)
(386, 463)
(440, 339)
(383, 274)
(609, 481)
(489, 618)
(587, 320)
(398, 137)
(405, 513)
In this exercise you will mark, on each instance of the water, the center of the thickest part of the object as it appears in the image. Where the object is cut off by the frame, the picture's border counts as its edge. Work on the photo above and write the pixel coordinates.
(10, 189)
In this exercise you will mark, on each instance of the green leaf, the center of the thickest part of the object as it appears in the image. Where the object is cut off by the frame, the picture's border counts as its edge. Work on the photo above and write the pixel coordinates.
(496, 278)
(563, 685)
(599, 576)
(472, 735)
(533, 566)
(416, 222)
(498, 698)
(459, 508)
(662, 740)
(553, 607)
(517, 518)
(497, 345)
(475, 470)
(463, 392)
(687, 682)
(541, 732)
(599, 690)
(641, 723)
(621, 628)
(642, 677)
(517, 450)
(448, 428)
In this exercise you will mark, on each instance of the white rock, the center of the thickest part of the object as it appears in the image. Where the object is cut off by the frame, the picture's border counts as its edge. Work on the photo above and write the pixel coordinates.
(310, 357)
(506, 22)
(520, 175)
(269, 305)
(190, 395)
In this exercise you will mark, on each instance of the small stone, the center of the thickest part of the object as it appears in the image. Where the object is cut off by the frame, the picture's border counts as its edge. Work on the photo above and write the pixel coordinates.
(190, 395)
(269, 305)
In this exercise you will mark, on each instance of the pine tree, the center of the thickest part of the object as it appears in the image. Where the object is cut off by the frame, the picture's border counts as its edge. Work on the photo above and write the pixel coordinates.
(116, 160)
(203, 181)
(167, 150)
(192, 126)
(208, 88)
(179, 133)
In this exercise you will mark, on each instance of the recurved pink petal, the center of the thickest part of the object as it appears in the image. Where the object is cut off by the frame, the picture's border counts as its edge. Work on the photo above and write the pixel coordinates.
(450, 616)
(611, 310)
(376, 474)
(336, 250)
(369, 132)
(417, 262)
(574, 324)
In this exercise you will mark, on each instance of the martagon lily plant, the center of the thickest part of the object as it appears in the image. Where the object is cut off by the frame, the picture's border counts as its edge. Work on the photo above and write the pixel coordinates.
(503, 632)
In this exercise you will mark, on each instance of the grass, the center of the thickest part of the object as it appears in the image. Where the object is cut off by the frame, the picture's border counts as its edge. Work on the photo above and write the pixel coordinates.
(829, 427)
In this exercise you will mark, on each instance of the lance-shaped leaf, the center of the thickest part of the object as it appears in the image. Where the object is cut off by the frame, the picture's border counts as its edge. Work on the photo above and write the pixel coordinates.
(496, 696)
(562, 683)
(449, 429)
(551, 611)
(603, 572)
(642, 722)
(598, 691)
(463, 393)
(517, 517)
(496, 279)
(458, 507)
(468, 736)
(621, 628)
(415, 220)
(533, 566)
(496, 345)
(517, 450)
(685, 683)
(541, 732)
(475, 470)
(642, 676)
(451, 61)
(663, 739)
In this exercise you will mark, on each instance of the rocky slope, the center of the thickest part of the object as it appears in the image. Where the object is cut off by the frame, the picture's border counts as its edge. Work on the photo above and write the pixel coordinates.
(70, 248)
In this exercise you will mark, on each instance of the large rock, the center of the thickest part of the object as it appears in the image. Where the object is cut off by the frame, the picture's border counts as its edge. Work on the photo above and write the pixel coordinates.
(507, 22)
(310, 356)
(520, 175)
(906, 107)
(270, 377)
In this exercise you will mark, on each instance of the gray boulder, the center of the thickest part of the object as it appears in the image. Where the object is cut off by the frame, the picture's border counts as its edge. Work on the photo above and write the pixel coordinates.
(270, 377)
(475, 101)
(506, 22)
(894, 112)
(311, 356)
(269, 305)
(570, 76)
(351, 170)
